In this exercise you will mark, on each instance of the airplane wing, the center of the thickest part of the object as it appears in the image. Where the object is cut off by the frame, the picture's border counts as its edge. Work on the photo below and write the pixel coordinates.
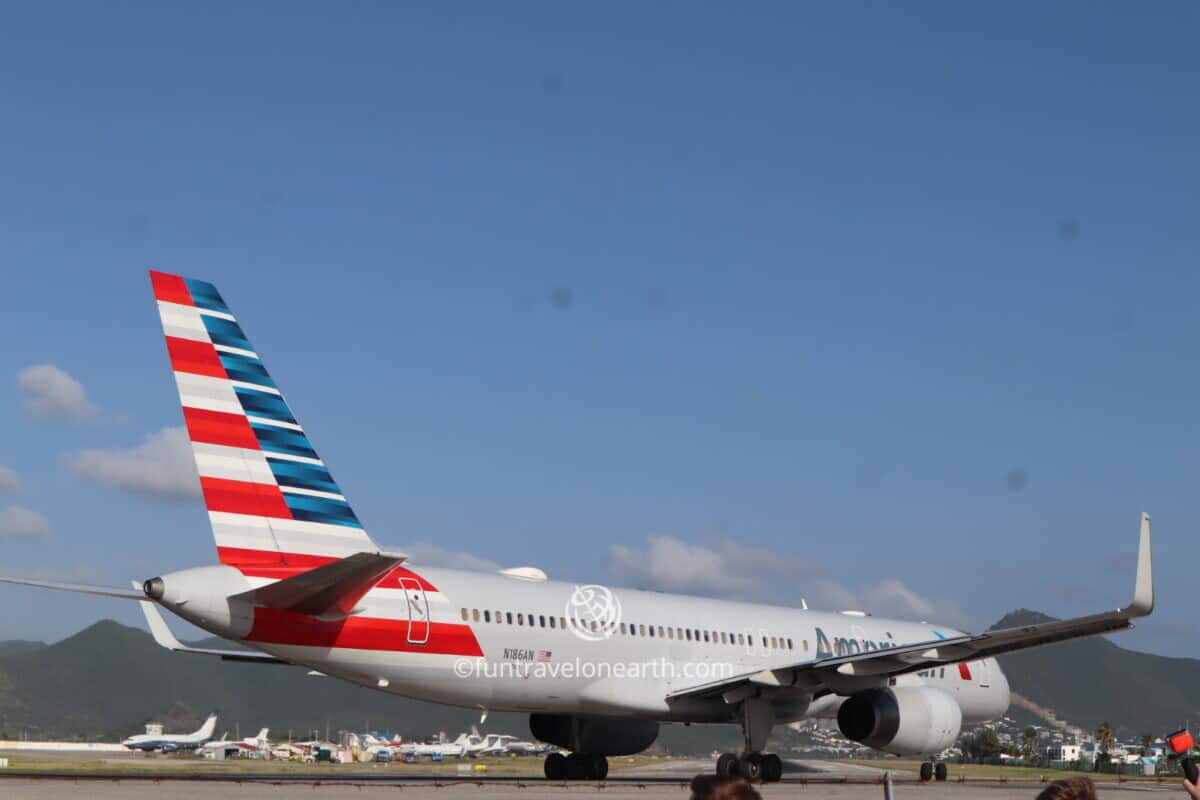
(840, 671)
(332, 590)
(162, 634)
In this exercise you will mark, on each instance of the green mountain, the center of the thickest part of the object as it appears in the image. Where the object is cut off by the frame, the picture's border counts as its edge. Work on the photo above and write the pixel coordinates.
(108, 680)
(1090, 681)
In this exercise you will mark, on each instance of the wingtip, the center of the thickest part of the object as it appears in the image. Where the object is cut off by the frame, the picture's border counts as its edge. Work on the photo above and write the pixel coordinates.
(1143, 592)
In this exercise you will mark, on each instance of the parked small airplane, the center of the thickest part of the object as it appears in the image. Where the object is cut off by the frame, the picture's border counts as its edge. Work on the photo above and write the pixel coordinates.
(251, 746)
(155, 740)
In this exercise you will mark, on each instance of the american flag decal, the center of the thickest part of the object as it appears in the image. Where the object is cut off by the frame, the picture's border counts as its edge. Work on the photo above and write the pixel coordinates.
(543, 656)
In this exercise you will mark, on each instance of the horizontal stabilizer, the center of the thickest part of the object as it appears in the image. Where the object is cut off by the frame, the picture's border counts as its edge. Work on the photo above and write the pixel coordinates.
(332, 590)
(102, 591)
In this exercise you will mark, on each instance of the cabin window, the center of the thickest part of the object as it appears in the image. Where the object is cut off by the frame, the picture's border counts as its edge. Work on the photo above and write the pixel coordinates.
(464, 615)
(806, 645)
(487, 615)
(520, 618)
(689, 634)
(622, 627)
(475, 614)
(764, 641)
(562, 622)
(552, 622)
(670, 633)
(542, 620)
(641, 630)
(508, 616)
(706, 636)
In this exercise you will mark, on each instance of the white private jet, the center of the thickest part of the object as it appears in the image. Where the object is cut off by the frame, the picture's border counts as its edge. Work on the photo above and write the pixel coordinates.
(155, 740)
(597, 669)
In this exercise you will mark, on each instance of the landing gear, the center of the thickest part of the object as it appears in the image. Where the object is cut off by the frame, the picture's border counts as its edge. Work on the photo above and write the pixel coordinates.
(757, 718)
(940, 773)
(575, 767)
(772, 768)
(750, 766)
(926, 771)
(555, 767)
(766, 767)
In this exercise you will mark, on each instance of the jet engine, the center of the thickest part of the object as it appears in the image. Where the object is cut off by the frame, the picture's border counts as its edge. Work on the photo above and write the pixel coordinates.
(602, 736)
(904, 721)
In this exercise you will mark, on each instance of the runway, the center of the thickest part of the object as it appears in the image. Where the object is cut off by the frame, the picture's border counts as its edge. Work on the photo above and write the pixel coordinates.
(492, 789)
(136, 779)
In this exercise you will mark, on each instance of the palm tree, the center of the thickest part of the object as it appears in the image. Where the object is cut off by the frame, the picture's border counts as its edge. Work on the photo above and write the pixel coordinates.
(1147, 743)
(1105, 737)
(1029, 740)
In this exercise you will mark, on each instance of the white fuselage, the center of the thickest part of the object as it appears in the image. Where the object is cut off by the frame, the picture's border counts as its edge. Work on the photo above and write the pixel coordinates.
(497, 643)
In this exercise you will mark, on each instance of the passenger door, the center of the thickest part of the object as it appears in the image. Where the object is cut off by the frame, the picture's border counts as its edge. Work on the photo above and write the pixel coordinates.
(418, 611)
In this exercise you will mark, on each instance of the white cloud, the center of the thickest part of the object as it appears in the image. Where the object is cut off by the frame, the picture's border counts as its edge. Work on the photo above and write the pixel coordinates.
(50, 392)
(10, 481)
(161, 466)
(725, 568)
(431, 555)
(17, 522)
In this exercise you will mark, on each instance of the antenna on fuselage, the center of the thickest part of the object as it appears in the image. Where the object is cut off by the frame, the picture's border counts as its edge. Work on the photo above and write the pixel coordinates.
(803, 604)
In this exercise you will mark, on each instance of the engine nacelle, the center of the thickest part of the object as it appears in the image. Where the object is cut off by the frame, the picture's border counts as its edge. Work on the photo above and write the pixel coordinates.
(604, 736)
(904, 721)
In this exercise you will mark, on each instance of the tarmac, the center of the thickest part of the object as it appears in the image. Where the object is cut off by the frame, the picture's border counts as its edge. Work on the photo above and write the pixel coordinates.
(669, 779)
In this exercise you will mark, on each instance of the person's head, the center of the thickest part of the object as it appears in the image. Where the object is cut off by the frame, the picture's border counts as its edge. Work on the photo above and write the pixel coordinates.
(1071, 789)
(714, 787)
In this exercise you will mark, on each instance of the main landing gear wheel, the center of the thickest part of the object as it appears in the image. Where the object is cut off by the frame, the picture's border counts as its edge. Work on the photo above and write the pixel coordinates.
(940, 773)
(727, 765)
(555, 767)
(772, 768)
(750, 766)
(926, 771)
(577, 767)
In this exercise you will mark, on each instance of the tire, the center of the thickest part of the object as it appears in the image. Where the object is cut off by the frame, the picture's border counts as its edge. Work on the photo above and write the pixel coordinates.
(772, 768)
(555, 767)
(750, 766)
(940, 772)
(599, 768)
(575, 767)
(727, 765)
(926, 771)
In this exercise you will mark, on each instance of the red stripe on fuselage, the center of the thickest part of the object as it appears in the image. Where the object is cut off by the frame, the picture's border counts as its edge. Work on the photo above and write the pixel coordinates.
(197, 358)
(275, 626)
(170, 288)
(217, 427)
(243, 497)
(964, 671)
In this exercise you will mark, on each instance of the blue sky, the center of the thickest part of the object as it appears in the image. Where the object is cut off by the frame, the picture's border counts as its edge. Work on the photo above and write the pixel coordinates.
(788, 301)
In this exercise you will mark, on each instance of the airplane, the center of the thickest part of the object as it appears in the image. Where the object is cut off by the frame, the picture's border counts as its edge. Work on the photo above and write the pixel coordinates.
(439, 749)
(300, 581)
(156, 740)
(251, 746)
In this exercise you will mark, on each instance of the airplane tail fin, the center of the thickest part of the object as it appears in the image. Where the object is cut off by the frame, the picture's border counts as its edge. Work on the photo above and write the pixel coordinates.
(262, 735)
(209, 726)
(270, 498)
